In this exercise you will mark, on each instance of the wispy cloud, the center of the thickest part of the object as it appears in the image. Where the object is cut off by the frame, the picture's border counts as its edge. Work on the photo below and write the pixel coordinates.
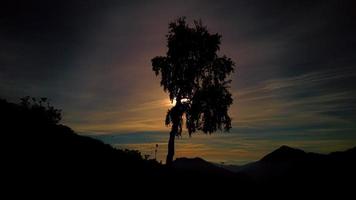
(308, 99)
(312, 111)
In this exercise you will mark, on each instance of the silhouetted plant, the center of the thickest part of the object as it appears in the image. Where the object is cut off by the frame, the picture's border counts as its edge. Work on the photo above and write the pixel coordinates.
(156, 150)
(41, 110)
(196, 78)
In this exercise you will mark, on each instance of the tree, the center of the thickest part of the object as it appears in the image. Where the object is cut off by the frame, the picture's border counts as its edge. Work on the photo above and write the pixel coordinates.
(196, 78)
(40, 111)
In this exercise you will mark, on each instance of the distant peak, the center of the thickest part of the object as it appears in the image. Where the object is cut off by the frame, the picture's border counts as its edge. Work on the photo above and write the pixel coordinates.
(192, 163)
(191, 160)
(201, 165)
(286, 148)
(284, 153)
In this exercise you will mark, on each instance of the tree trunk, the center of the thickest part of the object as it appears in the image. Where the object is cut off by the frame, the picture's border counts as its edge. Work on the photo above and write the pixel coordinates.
(177, 114)
(170, 154)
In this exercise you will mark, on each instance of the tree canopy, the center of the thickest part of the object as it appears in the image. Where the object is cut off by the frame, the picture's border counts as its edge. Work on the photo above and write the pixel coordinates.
(196, 77)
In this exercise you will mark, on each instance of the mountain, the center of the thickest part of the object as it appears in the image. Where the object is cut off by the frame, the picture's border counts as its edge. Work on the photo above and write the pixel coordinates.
(231, 168)
(198, 165)
(288, 166)
(285, 154)
(37, 148)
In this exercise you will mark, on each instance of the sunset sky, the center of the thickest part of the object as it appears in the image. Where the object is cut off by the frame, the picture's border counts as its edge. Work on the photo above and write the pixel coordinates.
(294, 82)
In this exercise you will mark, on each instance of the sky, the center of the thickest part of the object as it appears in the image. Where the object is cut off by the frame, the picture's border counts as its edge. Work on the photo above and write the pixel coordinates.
(294, 82)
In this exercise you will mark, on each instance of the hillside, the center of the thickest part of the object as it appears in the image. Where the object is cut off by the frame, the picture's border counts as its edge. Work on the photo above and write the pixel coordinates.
(36, 145)
(38, 148)
(292, 166)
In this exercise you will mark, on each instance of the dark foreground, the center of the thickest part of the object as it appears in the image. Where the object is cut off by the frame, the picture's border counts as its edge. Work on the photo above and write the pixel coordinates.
(48, 156)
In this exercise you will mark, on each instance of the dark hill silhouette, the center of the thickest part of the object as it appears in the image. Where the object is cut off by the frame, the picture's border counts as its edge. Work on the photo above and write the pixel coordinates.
(38, 148)
(200, 166)
(291, 167)
(283, 154)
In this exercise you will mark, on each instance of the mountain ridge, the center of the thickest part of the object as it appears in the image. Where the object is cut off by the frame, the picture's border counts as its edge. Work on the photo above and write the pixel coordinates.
(37, 149)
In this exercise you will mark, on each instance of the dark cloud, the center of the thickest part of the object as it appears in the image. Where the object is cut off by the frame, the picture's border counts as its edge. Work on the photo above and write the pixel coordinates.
(44, 21)
(40, 38)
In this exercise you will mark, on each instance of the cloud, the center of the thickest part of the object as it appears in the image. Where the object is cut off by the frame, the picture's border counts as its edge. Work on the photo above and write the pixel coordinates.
(312, 111)
(297, 101)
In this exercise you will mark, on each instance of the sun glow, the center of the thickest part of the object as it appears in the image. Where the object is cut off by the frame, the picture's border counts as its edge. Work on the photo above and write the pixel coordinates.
(173, 103)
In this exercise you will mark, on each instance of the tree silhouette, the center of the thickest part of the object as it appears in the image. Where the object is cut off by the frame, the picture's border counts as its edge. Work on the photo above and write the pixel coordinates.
(40, 110)
(196, 78)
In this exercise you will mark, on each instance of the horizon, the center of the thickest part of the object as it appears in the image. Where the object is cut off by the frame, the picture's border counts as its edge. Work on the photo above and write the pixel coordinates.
(294, 82)
(187, 147)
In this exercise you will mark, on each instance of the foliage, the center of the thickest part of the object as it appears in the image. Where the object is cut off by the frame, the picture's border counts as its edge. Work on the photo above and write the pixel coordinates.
(40, 109)
(196, 77)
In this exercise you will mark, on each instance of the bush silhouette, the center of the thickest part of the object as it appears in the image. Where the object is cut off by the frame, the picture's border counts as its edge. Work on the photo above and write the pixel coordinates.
(40, 109)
